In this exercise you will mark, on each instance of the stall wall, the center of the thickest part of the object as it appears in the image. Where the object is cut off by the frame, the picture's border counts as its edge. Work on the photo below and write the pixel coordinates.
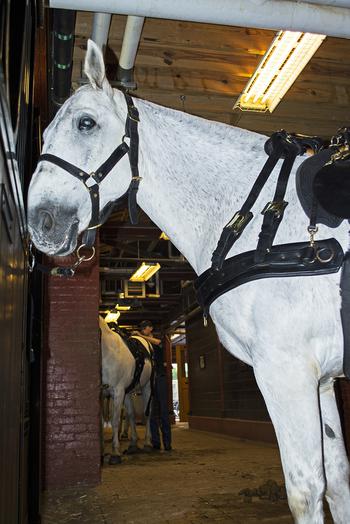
(224, 396)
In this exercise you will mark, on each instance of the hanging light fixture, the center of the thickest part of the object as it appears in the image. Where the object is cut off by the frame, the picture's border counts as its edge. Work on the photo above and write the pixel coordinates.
(112, 317)
(145, 271)
(279, 68)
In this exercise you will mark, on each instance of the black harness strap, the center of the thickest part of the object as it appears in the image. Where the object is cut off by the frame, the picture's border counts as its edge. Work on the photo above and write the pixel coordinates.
(280, 145)
(274, 211)
(285, 260)
(235, 227)
(131, 131)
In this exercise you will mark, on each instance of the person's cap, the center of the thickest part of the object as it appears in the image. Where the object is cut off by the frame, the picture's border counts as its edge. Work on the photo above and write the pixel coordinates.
(146, 323)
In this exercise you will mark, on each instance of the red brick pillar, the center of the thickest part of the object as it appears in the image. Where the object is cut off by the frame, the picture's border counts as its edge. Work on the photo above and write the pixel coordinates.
(71, 446)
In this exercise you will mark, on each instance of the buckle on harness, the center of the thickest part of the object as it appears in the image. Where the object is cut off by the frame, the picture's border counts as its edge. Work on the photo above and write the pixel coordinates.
(275, 207)
(133, 113)
(239, 221)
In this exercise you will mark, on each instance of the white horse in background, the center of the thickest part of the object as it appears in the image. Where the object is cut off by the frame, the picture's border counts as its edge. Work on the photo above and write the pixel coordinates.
(195, 174)
(118, 366)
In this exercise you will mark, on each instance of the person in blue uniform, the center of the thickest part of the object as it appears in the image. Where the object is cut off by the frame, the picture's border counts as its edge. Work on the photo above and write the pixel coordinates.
(159, 416)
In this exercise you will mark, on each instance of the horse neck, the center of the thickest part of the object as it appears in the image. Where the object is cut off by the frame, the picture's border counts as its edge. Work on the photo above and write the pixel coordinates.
(188, 189)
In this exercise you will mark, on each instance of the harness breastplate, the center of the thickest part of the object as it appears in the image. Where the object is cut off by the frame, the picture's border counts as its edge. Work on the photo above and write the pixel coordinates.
(286, 260)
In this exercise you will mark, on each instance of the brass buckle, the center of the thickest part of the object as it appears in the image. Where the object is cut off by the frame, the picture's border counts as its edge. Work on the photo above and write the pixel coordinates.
(239, 221)
(276, 207)
(133, 114)
(342, 153)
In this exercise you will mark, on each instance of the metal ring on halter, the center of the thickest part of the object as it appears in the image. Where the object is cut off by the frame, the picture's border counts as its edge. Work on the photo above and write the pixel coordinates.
(83, 258)
(324, 260)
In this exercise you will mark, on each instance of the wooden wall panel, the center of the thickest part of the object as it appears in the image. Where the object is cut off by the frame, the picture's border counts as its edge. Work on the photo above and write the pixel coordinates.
(242, 397)
(204, 383)
(225, 387)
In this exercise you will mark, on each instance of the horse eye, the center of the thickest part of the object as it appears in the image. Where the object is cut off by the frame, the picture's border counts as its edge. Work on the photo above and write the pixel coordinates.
(86, 123)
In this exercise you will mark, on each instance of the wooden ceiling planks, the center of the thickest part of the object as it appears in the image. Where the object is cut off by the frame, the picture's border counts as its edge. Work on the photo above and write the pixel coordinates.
(210, 65)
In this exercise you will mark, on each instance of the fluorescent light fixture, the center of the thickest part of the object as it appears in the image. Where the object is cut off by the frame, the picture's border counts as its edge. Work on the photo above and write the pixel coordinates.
(145, 272)
(122, 308)
(163, 236)
(279, 68)
(112, 317)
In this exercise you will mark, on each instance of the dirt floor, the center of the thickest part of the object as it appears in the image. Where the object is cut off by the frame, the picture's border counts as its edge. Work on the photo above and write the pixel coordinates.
(199, 481)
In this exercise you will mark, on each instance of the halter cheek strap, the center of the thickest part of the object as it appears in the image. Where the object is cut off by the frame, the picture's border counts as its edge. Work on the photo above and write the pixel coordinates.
(93, 180)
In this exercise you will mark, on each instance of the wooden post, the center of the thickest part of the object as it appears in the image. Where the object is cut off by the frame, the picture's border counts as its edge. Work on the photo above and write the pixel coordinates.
(169, 374)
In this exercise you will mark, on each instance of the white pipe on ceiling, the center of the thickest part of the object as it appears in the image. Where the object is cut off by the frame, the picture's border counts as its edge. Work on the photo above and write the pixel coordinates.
(265, 14)
(100, 29)
(131, 39)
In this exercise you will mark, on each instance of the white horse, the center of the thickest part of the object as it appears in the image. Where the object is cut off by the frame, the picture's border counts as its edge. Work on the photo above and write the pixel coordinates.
(195, 174)
(118, 366)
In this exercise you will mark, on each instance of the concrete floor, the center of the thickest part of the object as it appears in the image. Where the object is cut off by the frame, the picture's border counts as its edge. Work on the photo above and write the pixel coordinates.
(199, 481)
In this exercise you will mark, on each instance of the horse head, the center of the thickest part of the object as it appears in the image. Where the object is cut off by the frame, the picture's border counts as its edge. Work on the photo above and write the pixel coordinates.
(85, 131)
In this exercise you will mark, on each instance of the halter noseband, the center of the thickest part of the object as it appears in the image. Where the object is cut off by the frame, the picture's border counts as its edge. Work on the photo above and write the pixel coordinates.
(92, 180)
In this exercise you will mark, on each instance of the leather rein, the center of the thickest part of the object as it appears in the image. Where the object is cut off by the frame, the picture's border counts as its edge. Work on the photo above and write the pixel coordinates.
(92, 181)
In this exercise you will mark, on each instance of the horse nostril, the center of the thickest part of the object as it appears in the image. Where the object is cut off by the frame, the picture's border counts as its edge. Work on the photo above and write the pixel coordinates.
(47, 221)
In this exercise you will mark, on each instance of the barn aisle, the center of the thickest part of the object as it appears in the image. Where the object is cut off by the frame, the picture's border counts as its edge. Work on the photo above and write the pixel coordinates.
(199, 481)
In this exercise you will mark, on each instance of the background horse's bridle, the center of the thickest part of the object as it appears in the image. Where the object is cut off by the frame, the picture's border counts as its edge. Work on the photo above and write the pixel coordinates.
(93, 180)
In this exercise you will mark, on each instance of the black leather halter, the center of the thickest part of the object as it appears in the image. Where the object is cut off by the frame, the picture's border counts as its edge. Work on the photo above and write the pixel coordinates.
(93, 180)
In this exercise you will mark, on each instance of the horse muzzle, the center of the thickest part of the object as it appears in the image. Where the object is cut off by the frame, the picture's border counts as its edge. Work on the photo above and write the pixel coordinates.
(54, 233)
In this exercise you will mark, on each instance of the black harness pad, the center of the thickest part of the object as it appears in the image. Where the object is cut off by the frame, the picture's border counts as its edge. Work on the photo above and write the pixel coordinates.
(304, 181)
(332, 188)
(140, 354)
(284, 260)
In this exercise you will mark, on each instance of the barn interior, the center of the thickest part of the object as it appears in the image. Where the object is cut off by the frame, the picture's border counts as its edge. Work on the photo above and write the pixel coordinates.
(224, 465)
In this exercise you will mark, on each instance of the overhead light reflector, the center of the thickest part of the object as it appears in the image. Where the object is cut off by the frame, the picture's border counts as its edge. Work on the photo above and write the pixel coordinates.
(145, 272)
(279, 68)
(112, 317)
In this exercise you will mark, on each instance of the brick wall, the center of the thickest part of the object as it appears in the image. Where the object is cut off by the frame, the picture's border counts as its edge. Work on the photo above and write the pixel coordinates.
(71, 447)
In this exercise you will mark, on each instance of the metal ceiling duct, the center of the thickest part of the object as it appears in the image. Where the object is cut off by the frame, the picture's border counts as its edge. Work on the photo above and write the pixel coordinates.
(100, 29)
(131, 40)
(264, 14)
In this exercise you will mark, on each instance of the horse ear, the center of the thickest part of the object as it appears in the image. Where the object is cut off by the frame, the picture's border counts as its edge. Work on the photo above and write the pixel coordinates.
(94, 68)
